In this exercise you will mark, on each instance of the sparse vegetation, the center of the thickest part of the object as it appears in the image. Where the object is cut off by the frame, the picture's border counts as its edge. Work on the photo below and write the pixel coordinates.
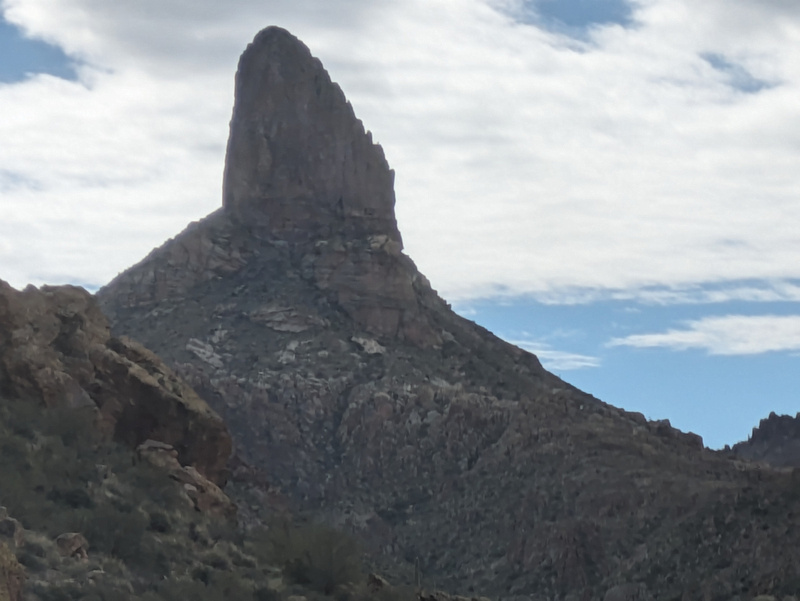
(322, 558)
(146, 540)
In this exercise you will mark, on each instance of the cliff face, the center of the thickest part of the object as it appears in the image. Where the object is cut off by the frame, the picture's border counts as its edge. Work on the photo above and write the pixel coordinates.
(56, 347)
(366, 400)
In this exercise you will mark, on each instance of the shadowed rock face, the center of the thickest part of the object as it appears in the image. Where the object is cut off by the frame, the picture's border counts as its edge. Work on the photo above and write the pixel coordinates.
(299, 162)
(301, 175)
(775, 441)
(367, 402)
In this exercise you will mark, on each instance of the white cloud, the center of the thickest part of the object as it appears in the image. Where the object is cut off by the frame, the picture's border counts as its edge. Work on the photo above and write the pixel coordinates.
(726, 335)
(526, 162)
(555, 360)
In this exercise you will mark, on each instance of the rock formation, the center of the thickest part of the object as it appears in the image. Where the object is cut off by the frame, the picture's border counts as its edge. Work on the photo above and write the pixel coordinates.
(301, 175)
(56, 347)
(367, 402)
(775, 441)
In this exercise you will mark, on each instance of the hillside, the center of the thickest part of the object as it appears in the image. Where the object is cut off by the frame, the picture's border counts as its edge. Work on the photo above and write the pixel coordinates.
(109, 466)
(364, 400)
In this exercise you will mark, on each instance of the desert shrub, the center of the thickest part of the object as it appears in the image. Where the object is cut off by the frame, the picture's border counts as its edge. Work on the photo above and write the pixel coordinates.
(201, 574)
(105, 592)
(266, 594)
(364, 592)
(59, 592)
(224, 530)
(73, 497)
(396, 593)
(317, 556)
(217, 561)
(159, 522)
(118, 533)
(221, 586)
(31, 561)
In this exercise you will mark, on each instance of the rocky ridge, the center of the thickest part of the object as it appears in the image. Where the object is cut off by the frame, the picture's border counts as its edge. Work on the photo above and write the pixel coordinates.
(776, 441)
(367, 402)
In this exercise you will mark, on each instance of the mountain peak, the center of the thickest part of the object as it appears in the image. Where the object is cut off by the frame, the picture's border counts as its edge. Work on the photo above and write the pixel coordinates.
(369, 403)
(303, 180)
(299, 161)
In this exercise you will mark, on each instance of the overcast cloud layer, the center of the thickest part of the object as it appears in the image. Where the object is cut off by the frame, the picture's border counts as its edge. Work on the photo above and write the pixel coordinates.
(663, 154)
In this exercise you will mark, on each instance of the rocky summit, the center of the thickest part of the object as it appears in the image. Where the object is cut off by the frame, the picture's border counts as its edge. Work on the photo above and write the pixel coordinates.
(362, 400)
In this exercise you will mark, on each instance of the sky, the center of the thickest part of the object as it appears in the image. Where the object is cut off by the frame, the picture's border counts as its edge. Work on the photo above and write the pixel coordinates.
(611, 184)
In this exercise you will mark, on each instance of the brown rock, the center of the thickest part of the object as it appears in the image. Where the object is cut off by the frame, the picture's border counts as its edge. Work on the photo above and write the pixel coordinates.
(204, 494)
(56, 348)
(73, 544)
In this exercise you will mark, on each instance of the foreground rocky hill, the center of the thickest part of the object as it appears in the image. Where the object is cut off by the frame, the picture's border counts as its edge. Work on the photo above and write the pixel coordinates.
(109, 466)
(367, 403)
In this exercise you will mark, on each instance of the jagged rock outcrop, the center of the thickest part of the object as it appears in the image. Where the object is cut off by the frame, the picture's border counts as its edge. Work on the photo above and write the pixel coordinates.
(365, 400)
(775, 441)
(56, 347)
(204, 494)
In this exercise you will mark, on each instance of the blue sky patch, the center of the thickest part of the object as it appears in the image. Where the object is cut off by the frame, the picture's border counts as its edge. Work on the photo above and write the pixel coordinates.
(22, 57)
(738, 77)
(576, 17)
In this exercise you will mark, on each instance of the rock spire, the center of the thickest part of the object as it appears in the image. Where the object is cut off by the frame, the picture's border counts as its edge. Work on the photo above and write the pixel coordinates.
(302, 179)
(298, 160)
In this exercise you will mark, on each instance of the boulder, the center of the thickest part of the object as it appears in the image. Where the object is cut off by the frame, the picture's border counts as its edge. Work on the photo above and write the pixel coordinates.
(204, 494)
(72, 544)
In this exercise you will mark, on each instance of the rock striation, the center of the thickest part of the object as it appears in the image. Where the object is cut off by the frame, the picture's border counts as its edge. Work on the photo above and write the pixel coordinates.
(56, 347)
(367, 403)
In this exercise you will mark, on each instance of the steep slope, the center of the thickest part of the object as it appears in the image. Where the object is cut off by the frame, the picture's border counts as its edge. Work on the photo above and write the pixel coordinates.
(348, 381)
